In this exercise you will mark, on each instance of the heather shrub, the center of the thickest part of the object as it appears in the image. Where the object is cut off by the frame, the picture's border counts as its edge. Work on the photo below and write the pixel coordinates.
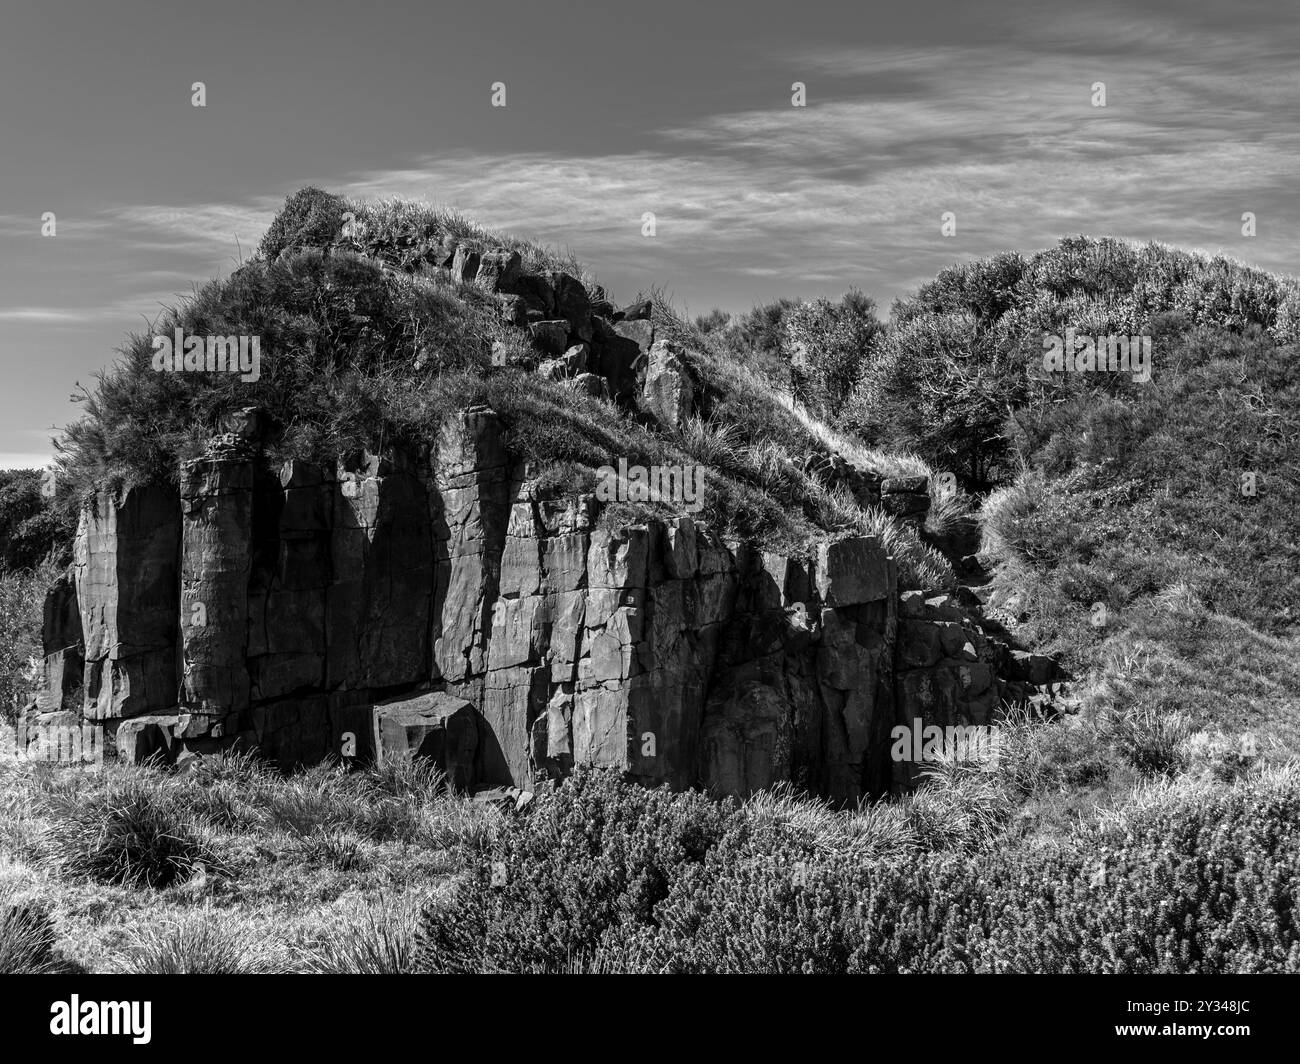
(580, 867)
(1187, 878)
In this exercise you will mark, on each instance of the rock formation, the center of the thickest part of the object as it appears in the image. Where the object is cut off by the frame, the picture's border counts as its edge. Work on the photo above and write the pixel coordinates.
(441, 605)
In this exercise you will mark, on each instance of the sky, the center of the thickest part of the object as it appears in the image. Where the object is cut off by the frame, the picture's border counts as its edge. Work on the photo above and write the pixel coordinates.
(612, 110)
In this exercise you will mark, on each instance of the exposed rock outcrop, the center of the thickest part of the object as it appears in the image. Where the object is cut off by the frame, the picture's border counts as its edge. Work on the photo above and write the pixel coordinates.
(440, 605)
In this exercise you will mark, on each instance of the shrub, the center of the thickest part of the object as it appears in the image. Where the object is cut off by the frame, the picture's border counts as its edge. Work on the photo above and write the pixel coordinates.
(22, 598)
(1185, 879)
(33, 527)
(311, 217)
(830, 344)
(579, 868)
(941, 386)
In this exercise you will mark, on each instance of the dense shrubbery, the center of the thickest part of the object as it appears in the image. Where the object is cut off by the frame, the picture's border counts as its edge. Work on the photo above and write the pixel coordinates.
(22, 599)
(1188, 877)
(1184, 875)
(310, 218)
(831, 345)
(571, 877)
(32, 527)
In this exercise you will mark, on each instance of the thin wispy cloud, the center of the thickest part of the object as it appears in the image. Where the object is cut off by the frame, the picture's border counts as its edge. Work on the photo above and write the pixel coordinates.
(199, 229)
(51, 315)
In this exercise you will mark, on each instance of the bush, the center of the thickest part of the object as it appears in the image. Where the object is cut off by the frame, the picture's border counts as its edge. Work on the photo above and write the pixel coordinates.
(1187, 879)
(310, 218)
(575, 872)
(33, 527)
(941, 386)
(22, 599)
(830, 345)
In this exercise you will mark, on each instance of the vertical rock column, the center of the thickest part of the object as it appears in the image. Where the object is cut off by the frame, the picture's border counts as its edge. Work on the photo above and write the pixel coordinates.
(679, 633)
(125, 571)
(62, 645)
(383, 574)
(563, 583)
(857, 583)
(291, 573)
(542, 567)
(216, 550)
(470, 507)
(612, 671)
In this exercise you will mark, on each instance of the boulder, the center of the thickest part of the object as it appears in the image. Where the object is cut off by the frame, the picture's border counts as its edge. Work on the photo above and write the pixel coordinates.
(572, 303)
(636, 311)
(854, 571)
(905, 486)
(550, 337)
(592, 385)
(513, 310)
(537, 293)
(498, 271)
(668, 392)
(464, 266)
(436, 726)
(576, 359)
(151, 737)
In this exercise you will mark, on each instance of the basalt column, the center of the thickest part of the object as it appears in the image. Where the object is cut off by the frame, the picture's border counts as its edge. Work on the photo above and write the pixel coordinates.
(125, 571)
(216, 550)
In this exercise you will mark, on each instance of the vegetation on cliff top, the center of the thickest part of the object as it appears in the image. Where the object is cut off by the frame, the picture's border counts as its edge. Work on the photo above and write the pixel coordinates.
(366, 344)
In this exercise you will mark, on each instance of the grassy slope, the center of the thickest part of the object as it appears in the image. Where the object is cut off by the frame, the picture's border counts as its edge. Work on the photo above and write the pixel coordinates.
(1129, 496)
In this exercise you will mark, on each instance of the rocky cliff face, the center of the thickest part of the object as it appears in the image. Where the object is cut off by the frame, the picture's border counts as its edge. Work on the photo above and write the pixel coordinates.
(391, 604)
(442, 604)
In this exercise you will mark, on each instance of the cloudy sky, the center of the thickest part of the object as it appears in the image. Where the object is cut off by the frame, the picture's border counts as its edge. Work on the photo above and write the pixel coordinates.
(613, 109)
